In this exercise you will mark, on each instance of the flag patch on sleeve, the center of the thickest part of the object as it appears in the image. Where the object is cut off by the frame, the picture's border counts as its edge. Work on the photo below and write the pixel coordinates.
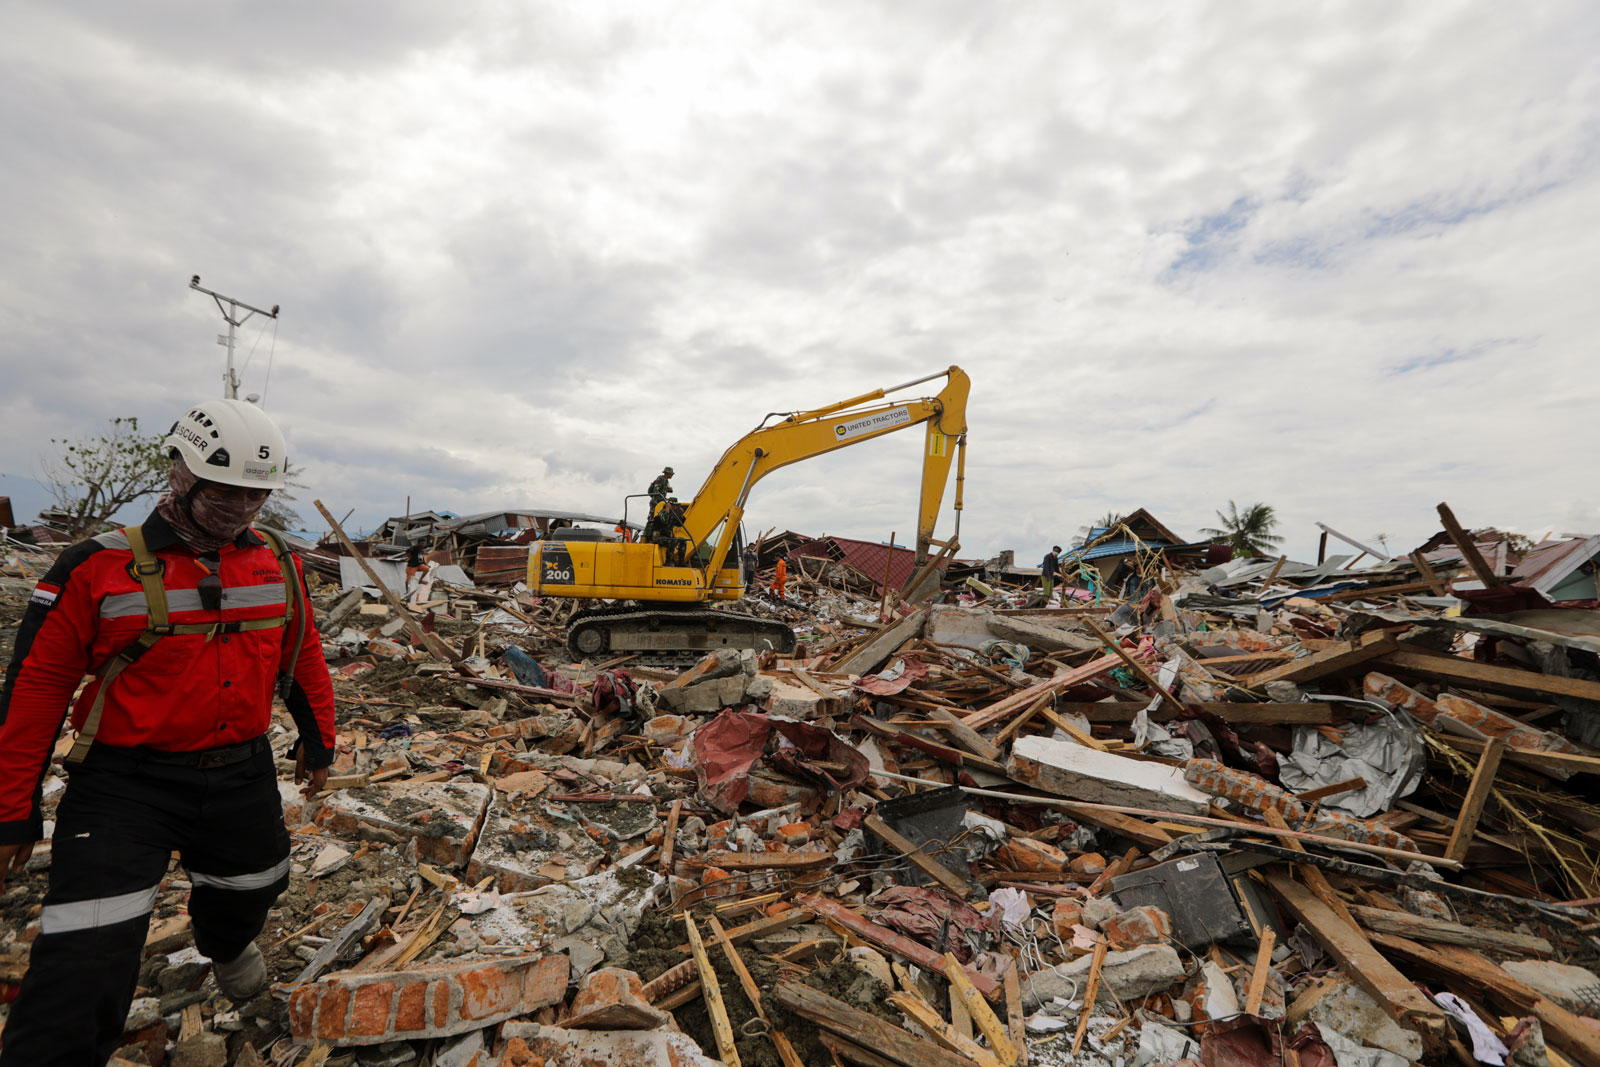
(44, 594)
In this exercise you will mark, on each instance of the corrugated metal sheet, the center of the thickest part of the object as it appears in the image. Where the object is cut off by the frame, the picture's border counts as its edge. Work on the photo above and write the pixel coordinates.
(868, 557)
(497, 564)
(1548, 565)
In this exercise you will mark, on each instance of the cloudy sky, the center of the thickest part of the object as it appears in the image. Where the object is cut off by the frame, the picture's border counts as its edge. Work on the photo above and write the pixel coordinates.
(1336, 257)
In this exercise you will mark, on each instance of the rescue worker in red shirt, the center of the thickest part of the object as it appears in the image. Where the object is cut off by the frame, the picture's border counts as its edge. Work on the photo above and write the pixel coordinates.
(189, 623)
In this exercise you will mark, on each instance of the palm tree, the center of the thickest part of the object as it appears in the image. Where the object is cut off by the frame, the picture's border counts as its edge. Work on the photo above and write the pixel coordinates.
(1108, 521)
(1248, 531)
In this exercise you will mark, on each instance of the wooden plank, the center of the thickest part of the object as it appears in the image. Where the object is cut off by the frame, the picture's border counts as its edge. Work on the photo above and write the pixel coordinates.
(432, 642)
(943, 753)
(1091, 991)
(709, 988)
(1115, 869)
(1420, 928)
(1459, 966)
(844, 1050)
(1115, 644)
(1134, 829)
(883, 937)
(1368, 646)
(868, 1031)
(1269, 714)
(947, 878)
(763, 861)
(1015, 725)
(1455, 668)
(880, 646)
(767, 924)
(1361, 961)
(1314, 878)
(1014, 1014)
(1477, 793)
(1008, 706)
(1380, 590)
(1429, 576)
(1260, 972)
(1333, 789)
(341, 942)
(966, 736)
(752, 992)
(1468, 547)
(924, 1015)
(1084, 739)
(670, 838)
(988, 1022)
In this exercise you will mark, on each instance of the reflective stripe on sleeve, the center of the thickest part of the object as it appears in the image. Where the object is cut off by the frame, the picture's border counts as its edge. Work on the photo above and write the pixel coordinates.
(102, 911)
(257, 880)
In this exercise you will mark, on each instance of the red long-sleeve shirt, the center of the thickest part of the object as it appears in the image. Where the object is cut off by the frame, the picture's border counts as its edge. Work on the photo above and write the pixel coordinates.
(187, 692)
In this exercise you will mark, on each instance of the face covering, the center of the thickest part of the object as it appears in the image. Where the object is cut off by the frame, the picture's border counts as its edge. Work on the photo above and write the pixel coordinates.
(205, 521)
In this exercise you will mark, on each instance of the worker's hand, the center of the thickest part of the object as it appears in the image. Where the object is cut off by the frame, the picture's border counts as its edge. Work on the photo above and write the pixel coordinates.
(12, 858)
(314, 780)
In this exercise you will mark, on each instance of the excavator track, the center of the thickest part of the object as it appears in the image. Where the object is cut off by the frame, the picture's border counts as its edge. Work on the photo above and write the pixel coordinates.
(671, 637)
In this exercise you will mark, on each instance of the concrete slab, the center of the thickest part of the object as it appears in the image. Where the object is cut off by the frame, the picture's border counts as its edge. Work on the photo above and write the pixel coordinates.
(1069, 769)
(443, 817)
(793, 700)
(1561, 982)
(558, 1047)
(526, 844)
(594, 918)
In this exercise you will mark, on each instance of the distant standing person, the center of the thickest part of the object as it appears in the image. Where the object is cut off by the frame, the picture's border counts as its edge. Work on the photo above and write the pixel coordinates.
(661, 488)
(751, 561)
(1048, 569)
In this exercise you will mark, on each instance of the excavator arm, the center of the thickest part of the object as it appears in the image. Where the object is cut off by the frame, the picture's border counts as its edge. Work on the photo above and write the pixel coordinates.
(805, 434)
(664, 590)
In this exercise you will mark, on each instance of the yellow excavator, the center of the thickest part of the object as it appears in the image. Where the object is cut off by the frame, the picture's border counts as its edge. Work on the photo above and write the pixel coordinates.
(662, 620)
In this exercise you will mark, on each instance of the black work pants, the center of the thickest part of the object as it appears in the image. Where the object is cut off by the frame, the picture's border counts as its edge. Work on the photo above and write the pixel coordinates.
(122, 817)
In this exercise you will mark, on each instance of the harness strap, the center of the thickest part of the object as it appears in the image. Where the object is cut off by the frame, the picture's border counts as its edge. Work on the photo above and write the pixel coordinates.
(294, 604)
(149, 568)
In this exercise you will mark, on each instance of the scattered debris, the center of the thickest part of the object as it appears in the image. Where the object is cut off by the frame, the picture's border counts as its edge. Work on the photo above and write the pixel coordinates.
(1211, 810)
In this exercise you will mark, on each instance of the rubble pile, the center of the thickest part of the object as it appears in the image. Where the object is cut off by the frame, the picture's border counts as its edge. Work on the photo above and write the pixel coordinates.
(1247, 812)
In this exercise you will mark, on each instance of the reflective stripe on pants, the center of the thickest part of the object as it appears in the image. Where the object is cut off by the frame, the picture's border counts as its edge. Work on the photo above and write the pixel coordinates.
(255, 880)
(92, 914)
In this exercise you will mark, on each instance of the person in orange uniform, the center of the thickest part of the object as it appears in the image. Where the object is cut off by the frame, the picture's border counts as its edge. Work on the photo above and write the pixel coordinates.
(781, 577)
(189, 624)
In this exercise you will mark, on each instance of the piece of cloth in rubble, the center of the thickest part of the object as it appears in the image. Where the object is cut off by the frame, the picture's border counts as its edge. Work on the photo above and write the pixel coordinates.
(1388, 754)
(1239, 1042)
(724, 751)
(1307, 1044)
(803, 746)
(524, 666)
(1486, 1047)
(1008, 653)
(936, 919)
(728, 746)
(206, 522)
(901, 672)
(613, 693)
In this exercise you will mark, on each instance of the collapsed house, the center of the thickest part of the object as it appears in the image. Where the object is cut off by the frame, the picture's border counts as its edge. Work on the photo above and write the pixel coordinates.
(1222, 811)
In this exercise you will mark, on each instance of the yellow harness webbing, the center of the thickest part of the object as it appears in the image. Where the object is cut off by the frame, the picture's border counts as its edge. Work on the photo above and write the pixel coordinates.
(148, 568)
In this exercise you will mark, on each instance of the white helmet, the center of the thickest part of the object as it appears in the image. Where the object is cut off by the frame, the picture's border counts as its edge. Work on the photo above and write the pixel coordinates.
(231, 442)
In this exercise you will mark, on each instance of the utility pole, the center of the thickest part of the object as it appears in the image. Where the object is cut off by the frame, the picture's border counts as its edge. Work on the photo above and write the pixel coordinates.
(230, 315)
